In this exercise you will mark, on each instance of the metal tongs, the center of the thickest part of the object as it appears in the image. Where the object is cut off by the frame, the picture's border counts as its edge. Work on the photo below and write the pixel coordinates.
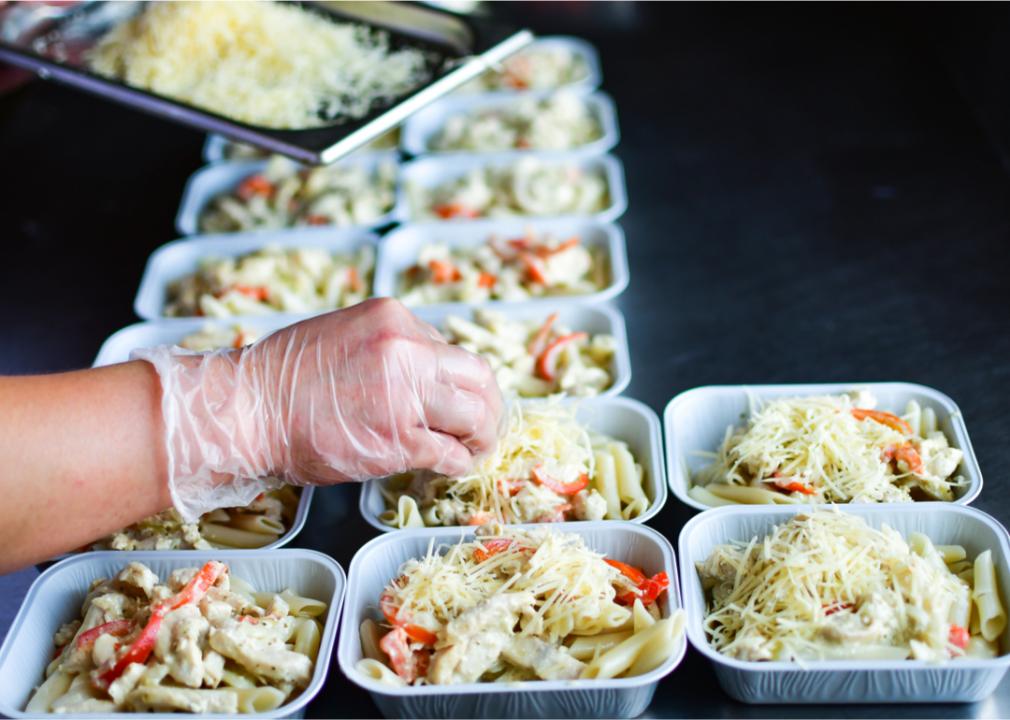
(52, 41)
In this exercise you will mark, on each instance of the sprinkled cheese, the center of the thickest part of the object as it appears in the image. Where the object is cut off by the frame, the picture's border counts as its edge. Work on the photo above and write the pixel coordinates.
(826, 585)
(264, 63)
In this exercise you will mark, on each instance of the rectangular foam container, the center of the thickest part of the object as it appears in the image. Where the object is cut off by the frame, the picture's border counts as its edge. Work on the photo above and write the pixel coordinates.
(593, 319)
(221, 177)
(379, 561)
(56, 596)
(847, 681)
(173, 260)
(422, 128)
(579, 46)
(400, 249)
(696, 420)
(435, 170)
(619, 417)
(215, 145)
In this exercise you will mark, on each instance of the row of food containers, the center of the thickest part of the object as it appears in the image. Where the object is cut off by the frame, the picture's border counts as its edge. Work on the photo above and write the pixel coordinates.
(352, 599)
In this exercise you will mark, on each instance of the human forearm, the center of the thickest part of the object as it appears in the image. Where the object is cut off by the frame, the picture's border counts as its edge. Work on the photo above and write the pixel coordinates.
(82, 455)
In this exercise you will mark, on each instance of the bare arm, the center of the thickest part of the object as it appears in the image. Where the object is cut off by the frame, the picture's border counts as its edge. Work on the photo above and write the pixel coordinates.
(351, 395)
(81, 456)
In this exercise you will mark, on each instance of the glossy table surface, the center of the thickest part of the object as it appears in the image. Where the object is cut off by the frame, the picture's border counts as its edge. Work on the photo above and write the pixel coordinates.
(811, 199)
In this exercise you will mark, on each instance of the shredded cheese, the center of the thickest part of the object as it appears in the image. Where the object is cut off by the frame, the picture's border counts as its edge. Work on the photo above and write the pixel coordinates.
(269, 64)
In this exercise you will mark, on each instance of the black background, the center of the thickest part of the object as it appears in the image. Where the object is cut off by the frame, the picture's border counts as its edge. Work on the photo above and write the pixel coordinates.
(817, 193)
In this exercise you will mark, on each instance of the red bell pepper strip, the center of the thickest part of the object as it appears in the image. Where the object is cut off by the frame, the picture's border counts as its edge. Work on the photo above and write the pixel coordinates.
(316, 219)
(407, 663)
(491, 548)
(959, 636)
(354, 280)
(254, 185)
(539, 341)
(117, 628)
(534, 268)
(910, 456)
(142, 646)
(648, 588)
(636, 576)
(545, 252)
(548, 360)
(416, 633)
(792, 486)
(256, 292)
(486, 280)
(884, 418)
(561, 488)
(448, 211)
(443, 271)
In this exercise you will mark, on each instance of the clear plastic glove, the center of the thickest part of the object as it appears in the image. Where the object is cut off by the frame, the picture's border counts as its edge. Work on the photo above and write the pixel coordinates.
(355, 394)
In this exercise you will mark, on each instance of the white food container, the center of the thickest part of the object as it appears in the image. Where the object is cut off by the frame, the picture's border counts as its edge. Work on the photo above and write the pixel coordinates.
(379, 561)
(593, 319)
(577, 46)
(619, 417)
(401, 248)
(56, 596)
(436, 170)
(422, 128)
(696, 420)
(178, 258)
(171, 331)
(847, 681)
(222, 177)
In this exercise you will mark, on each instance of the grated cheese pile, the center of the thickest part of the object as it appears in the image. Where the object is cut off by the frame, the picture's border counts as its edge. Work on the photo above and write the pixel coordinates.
(828, 586)
(573, 589)
(262, 63)
(837, 449)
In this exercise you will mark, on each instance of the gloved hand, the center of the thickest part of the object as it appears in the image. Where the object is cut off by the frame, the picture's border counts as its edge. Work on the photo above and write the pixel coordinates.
(354, 394)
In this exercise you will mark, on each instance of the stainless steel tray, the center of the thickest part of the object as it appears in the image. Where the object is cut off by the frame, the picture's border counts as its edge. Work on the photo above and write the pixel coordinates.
(52, 40)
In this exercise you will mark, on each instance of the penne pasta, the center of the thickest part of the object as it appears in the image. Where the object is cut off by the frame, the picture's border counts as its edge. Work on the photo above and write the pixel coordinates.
(226, 536)
(587, 647)
(605, 480)
(375, 670)
(370, 636)
(308, 635)
(258, 524)
(259, 699)
(992, 615)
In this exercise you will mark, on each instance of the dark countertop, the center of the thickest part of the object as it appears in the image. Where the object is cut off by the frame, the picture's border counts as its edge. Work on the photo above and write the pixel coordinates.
(812, 198)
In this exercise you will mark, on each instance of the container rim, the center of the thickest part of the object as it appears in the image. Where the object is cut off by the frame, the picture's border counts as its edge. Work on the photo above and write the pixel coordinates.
(674, 462)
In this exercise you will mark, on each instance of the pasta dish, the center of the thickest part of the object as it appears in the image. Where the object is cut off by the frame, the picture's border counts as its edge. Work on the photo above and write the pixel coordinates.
(515, 605)
(536, 358)
(563, 121)
(260, 523)
(827, 586)
(538, 67)
(287, 195)
(202, 641)
(270, 64)
(528, 187)
(504, 269)
(831, 449)
(547, 468)
(273, 280)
